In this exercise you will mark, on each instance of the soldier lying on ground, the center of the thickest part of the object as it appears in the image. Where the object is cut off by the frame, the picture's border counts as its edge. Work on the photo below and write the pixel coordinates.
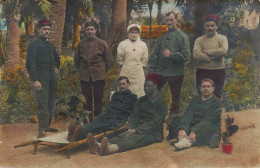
(145, 125)
(115, 115)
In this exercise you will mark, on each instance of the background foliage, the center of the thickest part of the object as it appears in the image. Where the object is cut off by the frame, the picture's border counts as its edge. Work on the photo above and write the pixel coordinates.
(240, 91)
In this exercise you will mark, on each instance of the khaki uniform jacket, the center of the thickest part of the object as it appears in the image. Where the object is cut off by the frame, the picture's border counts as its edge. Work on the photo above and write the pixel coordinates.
(92, 59)
(178, 44)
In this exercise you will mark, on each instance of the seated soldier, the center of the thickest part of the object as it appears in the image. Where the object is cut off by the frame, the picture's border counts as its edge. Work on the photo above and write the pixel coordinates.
(115, 115)
(200, 124)
(145, 125)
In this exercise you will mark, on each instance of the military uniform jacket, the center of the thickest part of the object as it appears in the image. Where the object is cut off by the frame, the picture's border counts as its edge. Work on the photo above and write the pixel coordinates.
(41, 59)
(148, 116)
(116, 114)
(201, 114)
(178, 44)
(92, 59)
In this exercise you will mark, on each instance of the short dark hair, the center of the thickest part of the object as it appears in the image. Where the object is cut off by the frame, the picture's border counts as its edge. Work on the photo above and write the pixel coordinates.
(90, 21)
(122, 78)
(171, 12)
(207, 80)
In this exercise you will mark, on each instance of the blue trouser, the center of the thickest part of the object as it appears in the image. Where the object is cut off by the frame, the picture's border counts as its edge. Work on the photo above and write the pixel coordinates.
(46, 100)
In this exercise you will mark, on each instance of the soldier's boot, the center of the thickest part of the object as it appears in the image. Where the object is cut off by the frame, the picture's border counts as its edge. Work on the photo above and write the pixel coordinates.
(71, 128)
(91, 143)
(53, 130)
(173, 123)
(76, 133)
(103, 147)
(41, 134)
(215, 140)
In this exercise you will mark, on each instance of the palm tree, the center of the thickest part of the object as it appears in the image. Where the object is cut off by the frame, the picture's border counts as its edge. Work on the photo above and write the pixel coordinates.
(104, 15)
(118, 23)
(57, 18)
(11, 11)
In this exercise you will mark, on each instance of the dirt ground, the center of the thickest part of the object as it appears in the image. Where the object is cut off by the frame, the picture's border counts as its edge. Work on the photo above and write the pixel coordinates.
(246, 151)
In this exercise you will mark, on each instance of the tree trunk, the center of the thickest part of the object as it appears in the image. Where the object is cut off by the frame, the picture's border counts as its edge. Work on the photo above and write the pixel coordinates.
(159, 15)
(130, 4)
(57, 18)
(201, 9)
(12, 42)
(118, 31)
(104, 16)
(77, 28)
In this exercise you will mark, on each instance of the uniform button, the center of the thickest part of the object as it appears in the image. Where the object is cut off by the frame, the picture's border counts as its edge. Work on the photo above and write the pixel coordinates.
(154, 113)
(197, 110)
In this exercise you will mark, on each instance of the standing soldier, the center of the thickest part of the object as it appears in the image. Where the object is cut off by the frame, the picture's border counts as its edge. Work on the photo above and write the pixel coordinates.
(209, 51)
(92, 60)
(43, 63)
(168, 58)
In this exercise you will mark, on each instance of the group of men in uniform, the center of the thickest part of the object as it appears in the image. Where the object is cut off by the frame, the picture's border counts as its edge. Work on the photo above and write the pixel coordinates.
(199, 125)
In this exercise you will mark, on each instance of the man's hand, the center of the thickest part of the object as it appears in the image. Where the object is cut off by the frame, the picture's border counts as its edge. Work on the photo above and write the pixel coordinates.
(204, 51)
(182, 134)
(192, 136)
(56, 70)
(130, 131)
(166, 53)
(213, 58)
(37, 85)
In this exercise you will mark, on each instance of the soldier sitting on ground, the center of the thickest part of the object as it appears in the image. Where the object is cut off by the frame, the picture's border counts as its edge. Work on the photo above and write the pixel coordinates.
(145, 125)
(115, 115)
(200, 124)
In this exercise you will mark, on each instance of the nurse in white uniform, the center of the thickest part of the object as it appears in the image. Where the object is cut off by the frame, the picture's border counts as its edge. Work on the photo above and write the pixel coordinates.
(132, 56)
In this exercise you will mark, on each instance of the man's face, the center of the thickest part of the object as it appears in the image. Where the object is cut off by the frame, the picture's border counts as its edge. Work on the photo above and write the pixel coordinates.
(149, 87)
(206, 89)
(123, 85)
(170, 21)
(133, 35)
(44, 32)
(91, 32)
(211, 28)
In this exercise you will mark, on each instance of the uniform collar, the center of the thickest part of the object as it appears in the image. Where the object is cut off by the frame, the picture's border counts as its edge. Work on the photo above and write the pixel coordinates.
(91, 39)
(42, 38)
(155, 98)
(173, 29)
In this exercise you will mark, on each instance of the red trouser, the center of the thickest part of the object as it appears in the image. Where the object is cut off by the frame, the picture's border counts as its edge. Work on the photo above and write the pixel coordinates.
(98, 88)
(175, 83)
